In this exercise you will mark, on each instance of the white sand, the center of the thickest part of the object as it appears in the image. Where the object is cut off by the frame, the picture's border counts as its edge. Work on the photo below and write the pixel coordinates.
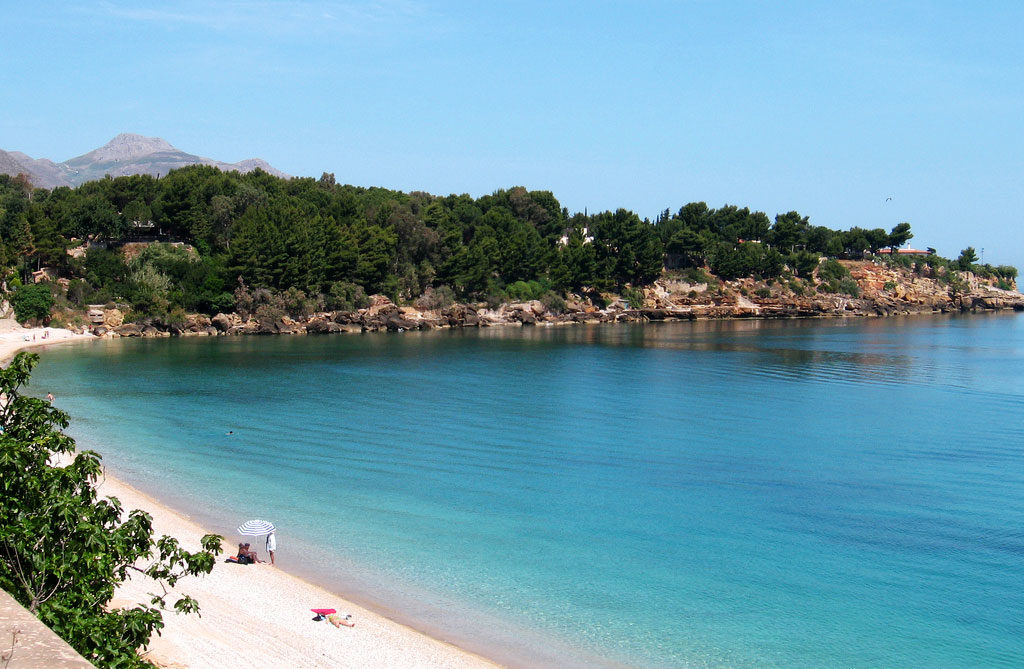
(253, 615)
(14, 338)
(259, 616)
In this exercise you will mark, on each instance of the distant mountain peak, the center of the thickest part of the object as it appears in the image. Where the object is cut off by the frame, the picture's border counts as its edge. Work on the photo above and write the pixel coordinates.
(126, 154)
(126, 146)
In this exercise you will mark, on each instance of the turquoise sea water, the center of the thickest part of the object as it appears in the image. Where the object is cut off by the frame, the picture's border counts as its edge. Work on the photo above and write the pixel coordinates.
(792, 494)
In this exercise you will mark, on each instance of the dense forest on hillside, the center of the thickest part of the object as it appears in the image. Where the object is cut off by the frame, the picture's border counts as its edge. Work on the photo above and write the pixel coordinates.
(321, 245)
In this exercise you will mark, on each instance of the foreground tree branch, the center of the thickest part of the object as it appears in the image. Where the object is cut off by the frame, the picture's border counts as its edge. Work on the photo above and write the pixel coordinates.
(63, 549)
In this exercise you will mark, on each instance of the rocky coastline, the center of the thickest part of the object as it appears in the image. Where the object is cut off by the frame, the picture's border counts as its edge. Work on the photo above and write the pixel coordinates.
(882, 291)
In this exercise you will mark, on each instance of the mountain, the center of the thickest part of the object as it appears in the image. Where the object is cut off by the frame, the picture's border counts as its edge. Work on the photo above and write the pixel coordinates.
(124, 155)
(9, 164)
(41, 171)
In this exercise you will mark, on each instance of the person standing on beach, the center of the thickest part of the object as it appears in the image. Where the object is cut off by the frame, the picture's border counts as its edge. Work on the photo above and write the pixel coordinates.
(271, 546)
(49, 397)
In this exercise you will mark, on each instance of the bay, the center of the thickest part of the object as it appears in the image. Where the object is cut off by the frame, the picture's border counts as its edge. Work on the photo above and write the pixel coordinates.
(754, 493)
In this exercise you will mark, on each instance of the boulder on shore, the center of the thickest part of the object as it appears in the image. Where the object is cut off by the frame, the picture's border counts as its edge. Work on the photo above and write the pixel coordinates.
(222, 322)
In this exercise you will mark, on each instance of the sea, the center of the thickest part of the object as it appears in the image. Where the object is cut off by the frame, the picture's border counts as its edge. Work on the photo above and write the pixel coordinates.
(817, 493)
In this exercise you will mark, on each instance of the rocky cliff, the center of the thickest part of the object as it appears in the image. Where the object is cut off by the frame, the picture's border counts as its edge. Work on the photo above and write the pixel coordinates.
(882, 291)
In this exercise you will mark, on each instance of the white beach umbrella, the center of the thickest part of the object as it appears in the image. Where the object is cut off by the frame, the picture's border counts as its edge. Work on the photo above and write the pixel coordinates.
(255, 528)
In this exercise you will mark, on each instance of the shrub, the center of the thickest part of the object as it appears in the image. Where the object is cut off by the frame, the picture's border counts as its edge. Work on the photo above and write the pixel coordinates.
(32, 302)
(635, 297)
(220, 303)
(895, 260)
(697, 275)
(889, 285)
(1006, 271)
(553, 302)
(955, 282)
(763, 292)
(268, 315)
(77, 292)
(495, 298)
(796, 287)
(299, 305)
(345, 296)
(176, 317)
(803, 263)
(832, 269)
(148, 280)
(1003, 284)
(849, 287)
(527, 290)
(436, 298)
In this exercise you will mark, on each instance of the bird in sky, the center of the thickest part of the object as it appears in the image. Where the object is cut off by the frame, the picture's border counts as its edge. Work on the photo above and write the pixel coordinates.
(887, 199)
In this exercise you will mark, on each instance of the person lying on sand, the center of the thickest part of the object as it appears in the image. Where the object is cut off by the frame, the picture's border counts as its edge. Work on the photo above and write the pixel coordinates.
(338, 620)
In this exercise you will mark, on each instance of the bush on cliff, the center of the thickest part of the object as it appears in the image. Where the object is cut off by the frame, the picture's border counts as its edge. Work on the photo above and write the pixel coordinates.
(831, 270)
(63, 549)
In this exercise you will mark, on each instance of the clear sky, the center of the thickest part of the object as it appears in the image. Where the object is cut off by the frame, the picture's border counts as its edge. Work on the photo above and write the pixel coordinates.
(827, 108)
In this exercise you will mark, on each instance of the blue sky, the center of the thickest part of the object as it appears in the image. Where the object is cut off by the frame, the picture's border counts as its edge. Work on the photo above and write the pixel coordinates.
(822, 107)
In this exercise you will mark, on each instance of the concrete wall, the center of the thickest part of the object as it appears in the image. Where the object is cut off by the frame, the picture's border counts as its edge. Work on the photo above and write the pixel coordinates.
(26, 643)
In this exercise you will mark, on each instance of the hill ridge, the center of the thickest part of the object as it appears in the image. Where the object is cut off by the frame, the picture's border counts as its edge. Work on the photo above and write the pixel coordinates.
(124, 155)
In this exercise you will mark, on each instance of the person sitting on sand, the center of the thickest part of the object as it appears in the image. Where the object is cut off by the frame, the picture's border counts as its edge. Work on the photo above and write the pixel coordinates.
(244, 552)
(339, 620)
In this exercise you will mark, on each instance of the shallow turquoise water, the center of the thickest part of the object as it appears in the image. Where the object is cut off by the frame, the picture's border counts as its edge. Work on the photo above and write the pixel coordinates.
(793, 494)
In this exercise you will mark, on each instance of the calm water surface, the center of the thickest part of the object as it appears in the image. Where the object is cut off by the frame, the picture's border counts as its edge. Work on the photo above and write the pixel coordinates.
(792, 494)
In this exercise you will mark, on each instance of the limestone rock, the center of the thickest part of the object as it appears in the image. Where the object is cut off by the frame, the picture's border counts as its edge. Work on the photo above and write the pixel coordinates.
(128, 330)
(222, 322)
(113, 318)
(322, 326)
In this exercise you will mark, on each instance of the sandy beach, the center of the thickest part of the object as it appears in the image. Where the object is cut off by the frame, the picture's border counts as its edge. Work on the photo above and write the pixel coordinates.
(252, 615)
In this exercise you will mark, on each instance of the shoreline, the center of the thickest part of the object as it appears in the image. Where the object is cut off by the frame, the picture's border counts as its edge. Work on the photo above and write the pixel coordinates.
(14, 339)
(260, 615)
(257, 615)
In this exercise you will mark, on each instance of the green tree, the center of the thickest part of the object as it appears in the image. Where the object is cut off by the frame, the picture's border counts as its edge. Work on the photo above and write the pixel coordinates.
(575, 263)
(63, 549)
(855, 242)
(967, 258)
(803, 263)
(900, 235)
(628, 249)
(32, 302)
(95, 217)
(877, 238)
(788, 231)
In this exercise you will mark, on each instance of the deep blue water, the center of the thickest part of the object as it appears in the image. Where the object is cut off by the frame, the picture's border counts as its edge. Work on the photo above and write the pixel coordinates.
(792, 494)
